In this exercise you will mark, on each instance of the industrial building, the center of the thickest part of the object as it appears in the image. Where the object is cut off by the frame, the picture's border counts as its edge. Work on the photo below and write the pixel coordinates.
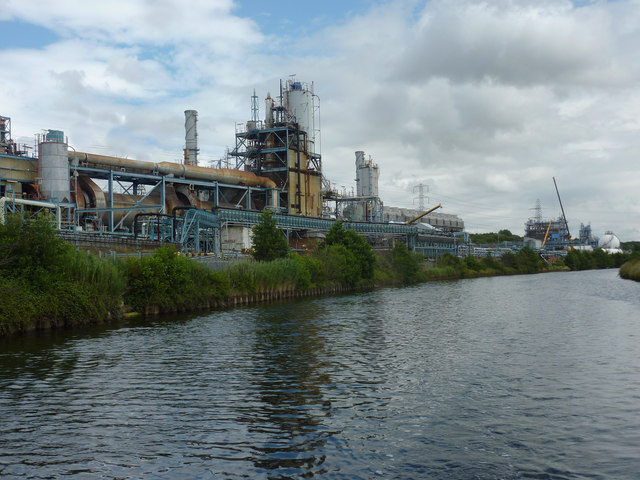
(554, 233)
(278, 166)
(444, 222)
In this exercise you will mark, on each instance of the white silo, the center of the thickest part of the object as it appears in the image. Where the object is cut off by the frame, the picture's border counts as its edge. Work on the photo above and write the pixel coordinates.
(191, 137)
(54, 166)
(299, 103)
(367, 174)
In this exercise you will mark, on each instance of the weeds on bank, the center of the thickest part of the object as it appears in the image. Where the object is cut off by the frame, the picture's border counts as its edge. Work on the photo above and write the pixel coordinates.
(631, 269)
(45, 280)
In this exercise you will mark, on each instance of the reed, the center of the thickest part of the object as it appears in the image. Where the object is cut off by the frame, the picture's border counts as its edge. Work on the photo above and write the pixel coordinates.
(280, 275)
(45, 281)
(631, 270)
(171, 282)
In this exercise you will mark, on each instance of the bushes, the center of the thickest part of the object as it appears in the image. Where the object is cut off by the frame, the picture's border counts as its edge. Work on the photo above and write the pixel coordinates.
(631, 269)
(528, 261)
(340, 265)
(359, 252)
(406, 264)
(268, 242)
(44, 280)
(171, 282)
(583, 260)
(283, 274)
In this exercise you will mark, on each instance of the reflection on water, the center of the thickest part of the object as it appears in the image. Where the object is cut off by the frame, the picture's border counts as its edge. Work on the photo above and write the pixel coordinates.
(519, 377)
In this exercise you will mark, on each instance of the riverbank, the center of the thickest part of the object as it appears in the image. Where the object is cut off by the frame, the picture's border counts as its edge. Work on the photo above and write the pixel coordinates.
(48, 284)
(631, 270)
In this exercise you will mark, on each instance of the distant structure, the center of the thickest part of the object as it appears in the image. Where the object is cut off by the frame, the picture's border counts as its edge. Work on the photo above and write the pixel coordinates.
(586, 235)
(421, 195)
(127, 203)
(283, 148)
(555, 231)
(610, 243)
(191, 137)
(442, 221)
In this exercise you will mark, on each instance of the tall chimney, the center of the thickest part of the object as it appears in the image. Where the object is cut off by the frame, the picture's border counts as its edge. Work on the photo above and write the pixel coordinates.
(191, 137)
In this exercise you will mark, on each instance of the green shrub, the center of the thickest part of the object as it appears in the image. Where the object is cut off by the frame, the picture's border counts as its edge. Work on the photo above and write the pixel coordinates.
(472, 263)
(492, 264)
(361, 252)
(509, 260)
(45, 279)
(268, 241)
(171, 282)
(631, 269)
(528, 261)
(405, 264)
(340, 265)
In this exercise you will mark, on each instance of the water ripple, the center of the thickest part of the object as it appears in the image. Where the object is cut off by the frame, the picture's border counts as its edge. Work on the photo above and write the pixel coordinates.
(503, 378)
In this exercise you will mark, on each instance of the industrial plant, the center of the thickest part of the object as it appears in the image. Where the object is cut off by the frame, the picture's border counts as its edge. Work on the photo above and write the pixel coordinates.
(123, 203)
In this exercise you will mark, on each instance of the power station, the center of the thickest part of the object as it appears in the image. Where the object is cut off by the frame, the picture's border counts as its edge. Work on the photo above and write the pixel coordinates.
(278, 166)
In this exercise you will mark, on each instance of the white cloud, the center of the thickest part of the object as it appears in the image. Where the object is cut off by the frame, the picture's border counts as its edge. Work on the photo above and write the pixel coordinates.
(483, 100)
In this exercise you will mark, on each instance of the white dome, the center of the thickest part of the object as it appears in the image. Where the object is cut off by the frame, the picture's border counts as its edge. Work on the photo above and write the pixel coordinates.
(609, 241)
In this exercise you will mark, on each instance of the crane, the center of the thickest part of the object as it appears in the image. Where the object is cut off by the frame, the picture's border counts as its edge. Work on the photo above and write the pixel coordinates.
(423, 214)
(546, 235)
(562, 209)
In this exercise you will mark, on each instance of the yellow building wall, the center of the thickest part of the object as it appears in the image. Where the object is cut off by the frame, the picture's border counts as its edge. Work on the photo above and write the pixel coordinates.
(21, 169)
(310, 188)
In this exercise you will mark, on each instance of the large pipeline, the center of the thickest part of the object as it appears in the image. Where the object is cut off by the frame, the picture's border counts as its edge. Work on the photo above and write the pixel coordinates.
(33, 203)
(222, 175)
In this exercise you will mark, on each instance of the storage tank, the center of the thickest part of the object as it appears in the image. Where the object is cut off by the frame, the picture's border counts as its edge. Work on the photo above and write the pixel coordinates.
(367, 174)
(610, 243)
(300, 105)
(54, 166)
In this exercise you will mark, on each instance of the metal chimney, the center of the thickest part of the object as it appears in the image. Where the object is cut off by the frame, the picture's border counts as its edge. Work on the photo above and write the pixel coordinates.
(191, 137)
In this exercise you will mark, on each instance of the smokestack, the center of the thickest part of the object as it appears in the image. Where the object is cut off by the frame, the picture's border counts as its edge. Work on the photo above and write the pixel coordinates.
(191, 137)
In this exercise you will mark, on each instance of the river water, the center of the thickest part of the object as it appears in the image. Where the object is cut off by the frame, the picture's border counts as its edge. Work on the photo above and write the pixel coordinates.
(494, 378)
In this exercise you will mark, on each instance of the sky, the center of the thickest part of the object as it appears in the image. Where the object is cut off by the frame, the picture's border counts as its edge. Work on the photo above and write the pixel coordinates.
(483, 102)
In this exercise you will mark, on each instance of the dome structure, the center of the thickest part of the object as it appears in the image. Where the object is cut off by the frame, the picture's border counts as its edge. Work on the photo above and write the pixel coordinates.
(610, 243)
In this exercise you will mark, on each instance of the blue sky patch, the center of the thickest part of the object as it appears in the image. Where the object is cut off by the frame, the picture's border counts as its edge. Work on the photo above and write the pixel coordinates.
(18, 34)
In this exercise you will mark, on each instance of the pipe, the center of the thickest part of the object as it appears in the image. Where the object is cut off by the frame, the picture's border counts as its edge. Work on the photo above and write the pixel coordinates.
(223, 175)
(34, 203)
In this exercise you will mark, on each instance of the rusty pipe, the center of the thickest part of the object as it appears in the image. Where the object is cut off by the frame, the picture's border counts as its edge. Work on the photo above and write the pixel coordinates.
(223, 175)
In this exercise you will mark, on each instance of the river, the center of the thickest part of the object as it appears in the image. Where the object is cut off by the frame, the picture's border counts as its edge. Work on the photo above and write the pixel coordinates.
(533, 376)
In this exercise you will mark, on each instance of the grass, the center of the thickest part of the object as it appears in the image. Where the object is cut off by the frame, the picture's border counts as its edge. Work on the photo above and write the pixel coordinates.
(631, 269)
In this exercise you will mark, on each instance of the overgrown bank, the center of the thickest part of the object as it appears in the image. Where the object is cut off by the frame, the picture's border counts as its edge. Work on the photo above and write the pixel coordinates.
(46, 282)
(631, 269)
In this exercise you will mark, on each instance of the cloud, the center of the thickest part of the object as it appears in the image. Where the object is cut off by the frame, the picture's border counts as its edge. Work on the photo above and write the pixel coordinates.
(483, 100)
(517, 43)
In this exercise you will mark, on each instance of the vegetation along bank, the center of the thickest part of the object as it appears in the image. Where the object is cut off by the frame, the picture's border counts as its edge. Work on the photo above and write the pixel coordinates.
(631, 269)
(47, 283)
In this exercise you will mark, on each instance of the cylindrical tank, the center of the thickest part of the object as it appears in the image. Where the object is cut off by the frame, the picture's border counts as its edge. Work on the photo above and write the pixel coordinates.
(268, 111)
(367, 174)
(54, 167)
(191, 136)
(300, 105)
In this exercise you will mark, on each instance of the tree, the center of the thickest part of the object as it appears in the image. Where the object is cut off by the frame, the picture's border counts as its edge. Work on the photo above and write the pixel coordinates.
(268, 240)
(405, 263)
(356, 244)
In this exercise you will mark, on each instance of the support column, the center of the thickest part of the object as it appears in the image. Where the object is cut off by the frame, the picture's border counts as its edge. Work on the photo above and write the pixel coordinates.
(110, 201)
